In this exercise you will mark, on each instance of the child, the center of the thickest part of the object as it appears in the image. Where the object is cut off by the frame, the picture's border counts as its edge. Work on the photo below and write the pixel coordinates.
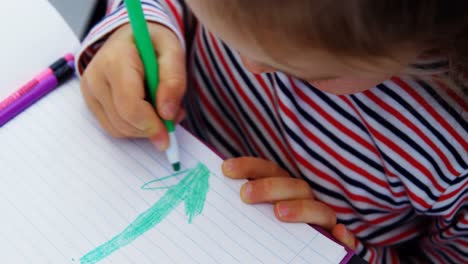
(351, 115)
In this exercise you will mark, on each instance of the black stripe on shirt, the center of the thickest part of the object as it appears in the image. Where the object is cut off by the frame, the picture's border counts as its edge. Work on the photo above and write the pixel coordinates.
(252, 88)
(453, 201)
(354, 182)
(425, 123)
(389, 228)
(404, 137)
(332, 104)
(217, 101)
(412, 178)
(455, 115)
(222, 140)
(305, 114)
(246, 117)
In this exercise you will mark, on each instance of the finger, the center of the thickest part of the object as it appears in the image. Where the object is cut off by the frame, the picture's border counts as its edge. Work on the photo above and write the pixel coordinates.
(275, 189)
(97, 110)
(100, 89)
(160, 139)
(180, 116)
(306, 211)
(128, 96)
(252, 168)
(172, 71)
(342, 234)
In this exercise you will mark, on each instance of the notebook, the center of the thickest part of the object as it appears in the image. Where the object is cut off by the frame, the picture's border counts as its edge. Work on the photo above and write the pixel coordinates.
(69, 193)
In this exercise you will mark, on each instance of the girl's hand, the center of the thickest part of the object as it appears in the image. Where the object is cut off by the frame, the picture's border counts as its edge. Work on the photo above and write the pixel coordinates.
(293, 198)
(113, 85)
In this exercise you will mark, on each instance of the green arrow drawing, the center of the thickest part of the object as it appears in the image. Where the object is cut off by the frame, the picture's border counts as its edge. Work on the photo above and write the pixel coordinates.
(191, 190)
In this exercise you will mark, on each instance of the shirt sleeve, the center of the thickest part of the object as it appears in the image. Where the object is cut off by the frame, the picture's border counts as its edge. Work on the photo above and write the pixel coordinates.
(166, 12)
(445, 239)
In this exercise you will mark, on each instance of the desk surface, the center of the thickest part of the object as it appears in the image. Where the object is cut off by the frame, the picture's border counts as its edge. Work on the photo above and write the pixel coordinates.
(76, 13)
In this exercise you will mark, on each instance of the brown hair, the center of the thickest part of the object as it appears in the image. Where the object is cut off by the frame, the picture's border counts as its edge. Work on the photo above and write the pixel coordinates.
(371, 28)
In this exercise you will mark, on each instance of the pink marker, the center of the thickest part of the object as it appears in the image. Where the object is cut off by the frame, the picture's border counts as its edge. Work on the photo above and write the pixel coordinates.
(36, 80)
(25, 88)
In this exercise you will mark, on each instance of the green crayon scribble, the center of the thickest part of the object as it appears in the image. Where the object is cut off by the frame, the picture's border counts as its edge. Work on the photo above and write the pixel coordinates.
(147, 185)
(192, 190)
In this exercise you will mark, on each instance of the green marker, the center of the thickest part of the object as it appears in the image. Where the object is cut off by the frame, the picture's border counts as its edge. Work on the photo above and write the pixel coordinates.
(148, 56)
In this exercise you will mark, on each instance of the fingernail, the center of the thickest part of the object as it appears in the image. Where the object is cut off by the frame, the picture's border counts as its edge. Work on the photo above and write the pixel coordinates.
(283, 210)
(169, 111)
(142, 126)
(159, 143)
(347, 233)
(147, 128)
(228, 167)
(246, 192)
(349, 238)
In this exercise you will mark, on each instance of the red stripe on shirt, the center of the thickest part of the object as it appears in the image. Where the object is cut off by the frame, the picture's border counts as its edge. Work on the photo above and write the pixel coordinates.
(413, 196)
(413, 127)
(431, 111)
(177, 15)
(222, 93)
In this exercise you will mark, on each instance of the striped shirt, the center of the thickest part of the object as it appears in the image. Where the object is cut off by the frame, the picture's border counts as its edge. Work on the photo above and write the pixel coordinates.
(391, 161)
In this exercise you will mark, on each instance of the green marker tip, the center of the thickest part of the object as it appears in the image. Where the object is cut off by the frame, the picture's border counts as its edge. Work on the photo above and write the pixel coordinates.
(176, 166)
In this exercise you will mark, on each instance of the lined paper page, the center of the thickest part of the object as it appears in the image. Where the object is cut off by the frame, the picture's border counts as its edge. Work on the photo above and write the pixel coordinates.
(66, 188)
(34, 35)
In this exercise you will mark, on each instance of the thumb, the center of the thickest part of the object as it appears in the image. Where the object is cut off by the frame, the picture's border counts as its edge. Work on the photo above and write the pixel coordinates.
(344, 236)
(172, 71)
